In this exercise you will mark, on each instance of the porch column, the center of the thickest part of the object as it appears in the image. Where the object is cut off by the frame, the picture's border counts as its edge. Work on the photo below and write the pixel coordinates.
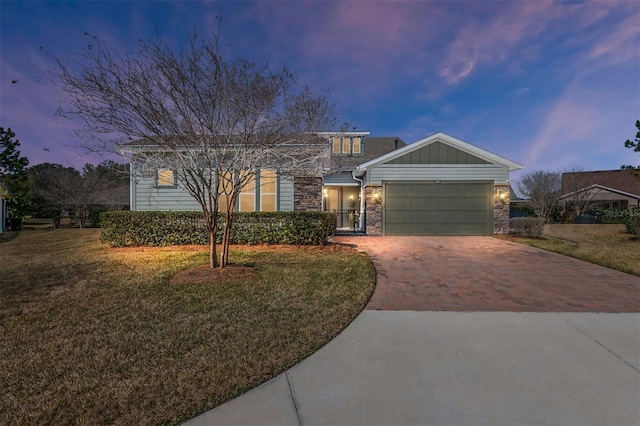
(373, 210)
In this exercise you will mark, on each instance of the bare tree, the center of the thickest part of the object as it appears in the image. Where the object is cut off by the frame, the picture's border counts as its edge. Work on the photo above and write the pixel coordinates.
(578, 194)
(67, 188)
(542, 188)
(212, 118)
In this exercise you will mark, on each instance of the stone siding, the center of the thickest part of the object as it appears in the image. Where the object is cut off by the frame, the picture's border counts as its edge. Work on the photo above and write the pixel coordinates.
(373, 211)
(501, 209)
(307, 194)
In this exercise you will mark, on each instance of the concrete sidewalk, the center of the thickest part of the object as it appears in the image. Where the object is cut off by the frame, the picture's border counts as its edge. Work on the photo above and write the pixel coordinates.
(457, 368)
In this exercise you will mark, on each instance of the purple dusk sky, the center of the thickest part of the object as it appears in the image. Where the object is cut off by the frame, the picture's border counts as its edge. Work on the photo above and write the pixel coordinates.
(548, 84)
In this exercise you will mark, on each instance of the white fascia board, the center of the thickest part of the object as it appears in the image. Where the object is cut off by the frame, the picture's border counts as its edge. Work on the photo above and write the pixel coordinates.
(604, 188)
(446, 139)
(329, 134)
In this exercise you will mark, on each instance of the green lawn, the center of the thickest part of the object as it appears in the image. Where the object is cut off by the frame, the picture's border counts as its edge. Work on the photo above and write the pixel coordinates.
(95, 335)
(606, 245)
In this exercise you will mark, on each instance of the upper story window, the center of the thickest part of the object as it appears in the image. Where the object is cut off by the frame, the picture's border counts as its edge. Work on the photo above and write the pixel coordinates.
(346, 145)
(356, 146)
(166, 177)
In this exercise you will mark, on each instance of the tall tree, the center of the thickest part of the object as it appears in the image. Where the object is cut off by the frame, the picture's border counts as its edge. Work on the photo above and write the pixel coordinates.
(212, 118)
(13, 175)
(543, 189)
(635, 145)
(11, 163)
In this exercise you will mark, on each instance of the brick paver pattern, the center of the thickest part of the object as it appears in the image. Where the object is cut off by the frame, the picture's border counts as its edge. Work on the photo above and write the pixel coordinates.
(489, 274)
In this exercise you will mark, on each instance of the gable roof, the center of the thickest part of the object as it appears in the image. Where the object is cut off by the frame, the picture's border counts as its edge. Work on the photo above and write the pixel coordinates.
(620, 180)
(603, 188)
(445, 139)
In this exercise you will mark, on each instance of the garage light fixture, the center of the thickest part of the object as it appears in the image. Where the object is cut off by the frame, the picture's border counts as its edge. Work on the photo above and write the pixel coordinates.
(377, 197)
(502, 196)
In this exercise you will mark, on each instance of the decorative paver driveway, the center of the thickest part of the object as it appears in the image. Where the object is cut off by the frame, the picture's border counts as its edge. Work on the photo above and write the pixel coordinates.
(488, 274)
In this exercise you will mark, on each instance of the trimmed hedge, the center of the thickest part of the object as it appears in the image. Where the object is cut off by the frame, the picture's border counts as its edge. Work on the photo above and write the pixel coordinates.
(136, 228)
(527, 227)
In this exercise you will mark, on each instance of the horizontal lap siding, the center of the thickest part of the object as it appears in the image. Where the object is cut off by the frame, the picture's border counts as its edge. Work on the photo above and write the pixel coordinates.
(421, 172)
(147, 197)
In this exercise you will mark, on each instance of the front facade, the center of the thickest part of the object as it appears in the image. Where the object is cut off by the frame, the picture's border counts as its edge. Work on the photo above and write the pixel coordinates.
(438, 185)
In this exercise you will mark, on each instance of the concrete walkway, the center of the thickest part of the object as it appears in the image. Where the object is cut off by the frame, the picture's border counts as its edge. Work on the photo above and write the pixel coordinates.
(451, 368)
(536, 348)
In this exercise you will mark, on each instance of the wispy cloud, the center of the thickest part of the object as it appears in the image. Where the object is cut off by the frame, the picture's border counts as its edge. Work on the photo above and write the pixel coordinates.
(521, 31)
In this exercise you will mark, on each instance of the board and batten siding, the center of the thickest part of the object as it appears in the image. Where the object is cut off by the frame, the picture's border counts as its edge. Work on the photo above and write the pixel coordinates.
(452, 172)
(147, 196)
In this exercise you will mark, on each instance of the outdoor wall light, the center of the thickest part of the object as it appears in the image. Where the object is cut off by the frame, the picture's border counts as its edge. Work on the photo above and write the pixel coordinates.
(377, 197)
(502, 196)
(325, 193)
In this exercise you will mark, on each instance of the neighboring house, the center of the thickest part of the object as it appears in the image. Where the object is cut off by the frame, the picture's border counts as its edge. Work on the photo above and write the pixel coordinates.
(438, 185)
(4, 196)
(518, 207)
(604, 189)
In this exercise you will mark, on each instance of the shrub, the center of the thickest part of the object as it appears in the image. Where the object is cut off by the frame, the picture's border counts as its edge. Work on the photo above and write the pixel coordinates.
(527, 227)
(633, 225)
(618, 216)
(135, 228)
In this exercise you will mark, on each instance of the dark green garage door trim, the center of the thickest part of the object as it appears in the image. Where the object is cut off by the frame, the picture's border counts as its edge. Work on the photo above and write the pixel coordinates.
(447, 208)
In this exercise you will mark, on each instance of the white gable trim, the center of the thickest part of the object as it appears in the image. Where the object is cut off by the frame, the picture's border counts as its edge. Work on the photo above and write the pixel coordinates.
(446, 139)
(603, 188)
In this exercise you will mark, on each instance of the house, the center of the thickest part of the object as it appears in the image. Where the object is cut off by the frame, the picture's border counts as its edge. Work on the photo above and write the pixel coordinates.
(4, 196)
(518, 206)
(602, 189)
(438, 185)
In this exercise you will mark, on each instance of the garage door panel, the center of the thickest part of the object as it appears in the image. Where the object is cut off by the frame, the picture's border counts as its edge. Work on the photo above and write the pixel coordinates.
(450, 204)
(397, 216)
(450, 190)
(423, 203)
(476, 203)
(399, 203)
(422, 216)
(438, 209)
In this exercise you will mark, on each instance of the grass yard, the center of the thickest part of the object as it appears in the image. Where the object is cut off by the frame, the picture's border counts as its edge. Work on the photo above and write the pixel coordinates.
(606, 245)
(95, 335)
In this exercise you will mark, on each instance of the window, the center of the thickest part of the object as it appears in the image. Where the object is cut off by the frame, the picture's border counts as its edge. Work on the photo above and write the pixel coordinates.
(357, 149)
(335, 143)
(248, 194)
(346, 146)
(260, 193)
(166, 177)
(268, 187)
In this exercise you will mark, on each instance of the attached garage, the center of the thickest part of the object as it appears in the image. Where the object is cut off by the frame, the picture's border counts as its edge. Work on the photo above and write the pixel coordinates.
(431, 208)
(438, 185)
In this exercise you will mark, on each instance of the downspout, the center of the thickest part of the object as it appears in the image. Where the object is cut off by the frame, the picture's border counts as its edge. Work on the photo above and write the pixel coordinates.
(362, 202)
